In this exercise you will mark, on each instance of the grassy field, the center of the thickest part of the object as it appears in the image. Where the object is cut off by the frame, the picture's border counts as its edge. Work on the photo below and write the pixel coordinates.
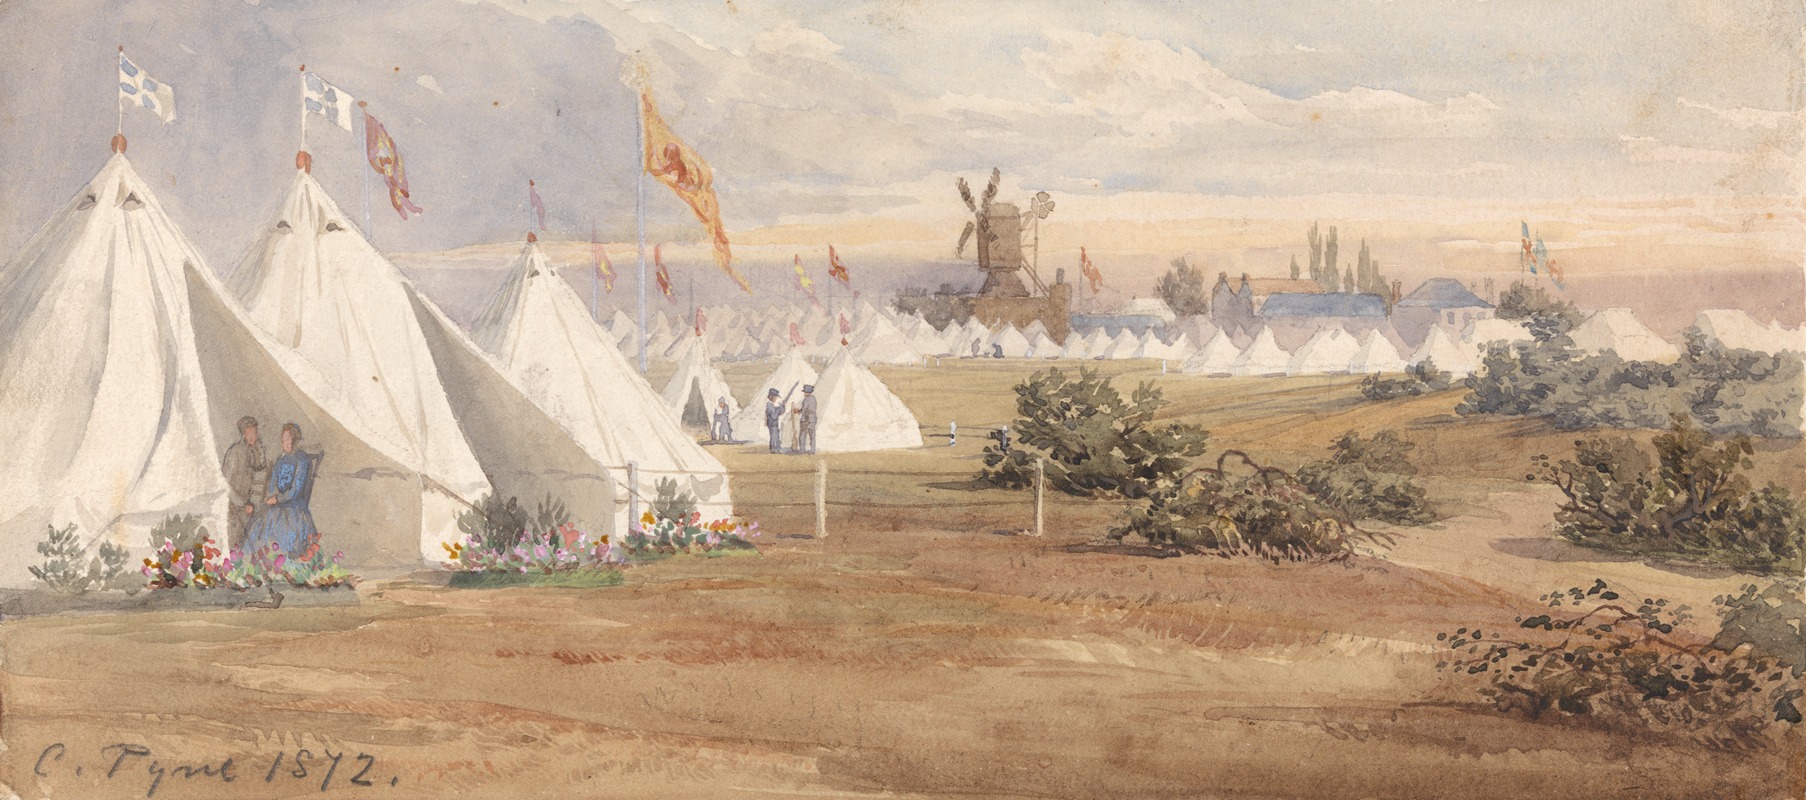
(925, 648)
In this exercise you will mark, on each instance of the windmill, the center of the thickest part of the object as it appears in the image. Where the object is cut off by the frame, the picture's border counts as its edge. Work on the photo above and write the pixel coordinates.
(998, 230)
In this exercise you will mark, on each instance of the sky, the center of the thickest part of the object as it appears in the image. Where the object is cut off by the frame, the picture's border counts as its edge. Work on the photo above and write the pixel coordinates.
(821, 117)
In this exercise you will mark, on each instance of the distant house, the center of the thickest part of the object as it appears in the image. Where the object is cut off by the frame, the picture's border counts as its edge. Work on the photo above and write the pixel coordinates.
(1138, 316)
(1234, 308)
(1438, 301)
(1296, 316)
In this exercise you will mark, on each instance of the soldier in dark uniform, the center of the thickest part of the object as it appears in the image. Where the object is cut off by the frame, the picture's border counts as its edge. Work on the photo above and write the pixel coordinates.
(246, 469)
(805, 437)
(774, 414)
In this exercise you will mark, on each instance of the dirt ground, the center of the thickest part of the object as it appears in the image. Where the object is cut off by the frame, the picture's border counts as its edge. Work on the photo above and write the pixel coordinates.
(926, 647)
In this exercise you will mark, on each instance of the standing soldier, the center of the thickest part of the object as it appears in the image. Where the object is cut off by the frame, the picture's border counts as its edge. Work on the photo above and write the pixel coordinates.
(806, 426)
(774, 414)
(246, 469)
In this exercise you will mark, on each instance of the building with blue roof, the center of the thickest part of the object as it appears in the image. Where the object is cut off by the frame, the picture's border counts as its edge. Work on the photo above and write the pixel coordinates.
(1437, 301)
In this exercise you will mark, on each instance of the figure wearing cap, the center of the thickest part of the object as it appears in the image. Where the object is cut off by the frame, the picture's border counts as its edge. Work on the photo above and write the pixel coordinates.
(774, 415)
(805, 435)
(246, 468)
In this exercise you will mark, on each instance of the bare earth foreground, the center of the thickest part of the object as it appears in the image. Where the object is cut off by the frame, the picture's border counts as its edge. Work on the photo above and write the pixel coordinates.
(925, 648)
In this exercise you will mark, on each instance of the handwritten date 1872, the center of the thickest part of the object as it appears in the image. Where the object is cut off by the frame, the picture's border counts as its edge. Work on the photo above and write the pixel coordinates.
(125, 762)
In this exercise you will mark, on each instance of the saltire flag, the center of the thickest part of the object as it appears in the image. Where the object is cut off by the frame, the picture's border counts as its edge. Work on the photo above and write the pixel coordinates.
(702, 322)
(598, 258)
(139, 89)
(1090, 271)
(663, 274)
(1527, 258)
(386, 160)
(327, 100)
(539, 206)
(796, 336)
(837, 270)
(677, 166)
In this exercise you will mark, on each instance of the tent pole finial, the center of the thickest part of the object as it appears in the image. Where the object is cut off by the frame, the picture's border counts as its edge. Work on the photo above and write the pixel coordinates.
(119, 143)
(304, 161)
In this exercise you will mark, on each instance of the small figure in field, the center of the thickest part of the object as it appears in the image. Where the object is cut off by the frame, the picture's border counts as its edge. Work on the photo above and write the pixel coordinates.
(724, 425)
(1002, 437)
(952, 434)
(806, 422)
(774, 415)
(246, 468)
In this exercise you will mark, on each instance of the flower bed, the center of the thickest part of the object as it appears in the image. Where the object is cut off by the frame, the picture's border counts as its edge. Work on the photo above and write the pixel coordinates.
(572, 558)
(206, 566)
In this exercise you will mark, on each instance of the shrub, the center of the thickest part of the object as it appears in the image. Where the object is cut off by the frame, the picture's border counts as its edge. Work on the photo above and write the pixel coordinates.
(1624, 668)
(568, 550)
(1369, 479)
(671, 504)
(1265, 512)
(185, 530)
(68, 568)
(1095, 441)
(1419, 379)
(498, 522)
(1182, 289)
(1727, 391)
(1546, 317)
(1689, 499)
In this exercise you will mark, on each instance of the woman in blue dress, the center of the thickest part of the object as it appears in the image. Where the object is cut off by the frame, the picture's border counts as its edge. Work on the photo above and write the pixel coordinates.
(285, 520)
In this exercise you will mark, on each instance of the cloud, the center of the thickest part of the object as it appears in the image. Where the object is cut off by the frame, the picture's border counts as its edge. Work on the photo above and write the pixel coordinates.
(1648, 149)
(1304, 48)
(430, 84)
(1745, 118)
(795, 41)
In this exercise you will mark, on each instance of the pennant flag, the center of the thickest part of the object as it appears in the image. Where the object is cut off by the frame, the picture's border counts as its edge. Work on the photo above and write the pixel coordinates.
(386, 160)
(139, 89)
(796, 336)
(1090, 271)
(702, 321)
(845, 326)
(663, 275)
(802, 278)
(539, 207)
(1527, 258)
(325, 99)
(675, 165)
(598, 258)
(837, 270)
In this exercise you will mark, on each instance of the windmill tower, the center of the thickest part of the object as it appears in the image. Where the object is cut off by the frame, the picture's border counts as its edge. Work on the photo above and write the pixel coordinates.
(997, 230)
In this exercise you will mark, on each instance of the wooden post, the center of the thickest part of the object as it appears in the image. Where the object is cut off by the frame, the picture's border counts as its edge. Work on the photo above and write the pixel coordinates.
(821, 499)
(633, 496)
(1040, 490)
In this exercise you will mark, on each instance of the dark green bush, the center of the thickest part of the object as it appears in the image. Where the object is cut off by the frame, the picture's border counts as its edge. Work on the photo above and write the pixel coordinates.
(1727, 391)
(1687, 500)
(1588, 654)
(1369, 479)
(500, 523)
(1255, 510)
(1419, 379)
(671, 504)
(1095, 441)
(1546, 317)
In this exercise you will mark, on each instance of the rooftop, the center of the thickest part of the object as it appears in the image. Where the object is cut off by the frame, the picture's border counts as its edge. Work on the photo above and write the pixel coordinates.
(1441, 293)
(1302, 304)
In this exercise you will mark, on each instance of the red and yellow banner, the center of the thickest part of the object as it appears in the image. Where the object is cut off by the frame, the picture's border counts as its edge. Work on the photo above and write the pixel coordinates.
(1090, 271)
(836, 269)
(677, 166)
(663, 275)
(386, 160)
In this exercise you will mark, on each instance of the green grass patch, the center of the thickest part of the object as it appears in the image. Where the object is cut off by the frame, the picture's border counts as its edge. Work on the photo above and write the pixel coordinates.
(566, 579)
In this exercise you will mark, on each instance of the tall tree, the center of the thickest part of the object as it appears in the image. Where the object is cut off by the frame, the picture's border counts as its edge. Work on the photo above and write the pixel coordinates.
(1331, 275)
(1294, 266)
(1316, 241)
(1182, 287)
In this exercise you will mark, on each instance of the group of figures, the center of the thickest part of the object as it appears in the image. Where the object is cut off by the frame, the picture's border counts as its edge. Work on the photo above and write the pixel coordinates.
(267, 503)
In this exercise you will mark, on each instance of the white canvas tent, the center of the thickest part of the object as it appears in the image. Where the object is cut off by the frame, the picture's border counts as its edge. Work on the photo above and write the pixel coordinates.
(1327, 352)
(1376, 354)
(791, 375)
(1216, 357)
(692, 393)
(1731, 328)
(1442, 350)
(1263, 356)
(881, 343)
(539, 332)
(1011, 341)
(1043, 347)
(123, 372)
(1618, 330)
(406, 372)
(858, 412)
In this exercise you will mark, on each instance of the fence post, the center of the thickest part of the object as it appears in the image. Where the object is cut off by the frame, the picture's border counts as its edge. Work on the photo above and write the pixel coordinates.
(633, 495)
(1040, 489)
(821, 499)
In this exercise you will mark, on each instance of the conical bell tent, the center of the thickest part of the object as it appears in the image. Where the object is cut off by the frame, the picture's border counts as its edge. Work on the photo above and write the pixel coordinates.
(123, 372)
(539, 332)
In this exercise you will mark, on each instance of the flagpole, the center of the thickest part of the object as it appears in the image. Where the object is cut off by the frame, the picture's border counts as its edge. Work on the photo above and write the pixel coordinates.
(640, 214)
(365, 121)
(119, 99)
(595, 272)
(303, 77)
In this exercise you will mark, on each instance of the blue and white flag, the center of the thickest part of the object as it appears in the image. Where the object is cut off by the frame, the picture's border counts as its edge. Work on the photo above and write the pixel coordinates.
(327, 100)
(139, 89)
